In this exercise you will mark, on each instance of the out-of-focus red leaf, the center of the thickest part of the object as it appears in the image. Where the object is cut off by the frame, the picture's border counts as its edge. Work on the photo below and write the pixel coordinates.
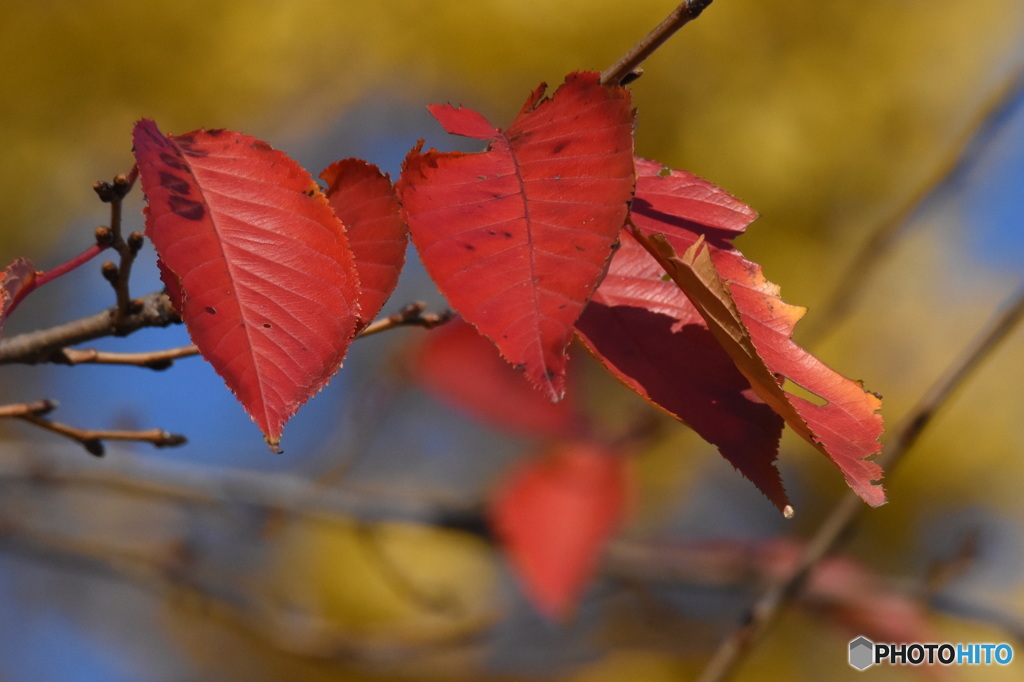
(518, 237)
(649, 335)
(17, 280)
(364, 199)
(553, 517)
(690, 239)
(463, 368)
(265, 279)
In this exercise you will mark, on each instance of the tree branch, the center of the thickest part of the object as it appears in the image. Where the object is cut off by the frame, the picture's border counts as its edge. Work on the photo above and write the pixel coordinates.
(156, 359)
(625, 69)
(838, 524)
(91, 439)
(45, 345)
(412, 315)
(961, 156)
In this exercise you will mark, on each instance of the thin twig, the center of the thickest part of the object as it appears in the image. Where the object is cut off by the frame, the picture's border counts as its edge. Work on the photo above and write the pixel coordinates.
(961, 156)
(623, 69)
(156, 359)
(90, 439)
(412, 315)
(127, 248)
(840, 521)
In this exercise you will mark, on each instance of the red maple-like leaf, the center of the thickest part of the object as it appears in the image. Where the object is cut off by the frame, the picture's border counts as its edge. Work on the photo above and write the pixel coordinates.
(518, 237)
(647, 333)
(263, 274)
(464, 369)
(687, 227)
(364, 199)
(553, 516)
(15, 283)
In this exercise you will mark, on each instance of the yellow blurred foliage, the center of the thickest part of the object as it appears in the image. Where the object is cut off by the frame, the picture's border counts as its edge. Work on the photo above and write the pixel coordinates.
(403, 583)
(854, 97)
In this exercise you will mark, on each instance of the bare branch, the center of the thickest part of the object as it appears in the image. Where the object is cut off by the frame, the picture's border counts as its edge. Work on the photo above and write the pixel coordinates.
(960, 157)
(625, 68)
(127, 248)
(838, 524)
(157, 359)
(90, 439)
(45, 345)
(412, 315)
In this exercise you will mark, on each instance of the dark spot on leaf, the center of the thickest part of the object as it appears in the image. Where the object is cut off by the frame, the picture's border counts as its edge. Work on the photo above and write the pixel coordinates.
(470, 247)
(261, 146)
(211, 310)
(173, 183)
(267, 325)
(562, 307)
(186, 208)
(521, 367)
(559, 147)
(185, 140)
(508, 235)
(550, 374)
(215, 132)
(172, 161)
(579, 248)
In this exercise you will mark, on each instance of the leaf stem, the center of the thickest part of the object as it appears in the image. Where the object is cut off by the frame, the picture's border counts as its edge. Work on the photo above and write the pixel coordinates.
(686, 12)
(45, 277)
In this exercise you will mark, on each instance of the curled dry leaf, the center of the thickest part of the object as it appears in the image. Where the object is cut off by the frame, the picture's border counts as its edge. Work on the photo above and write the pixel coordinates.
(648, 335)
(518, 237)
(753, 325)
(256, 262)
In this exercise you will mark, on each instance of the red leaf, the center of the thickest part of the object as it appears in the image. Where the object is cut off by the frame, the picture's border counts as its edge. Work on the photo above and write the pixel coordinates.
(268, 287)
(649, 335)
(464, 369)
(554, 515)
(518, 237)
(363, 198)
(675, 214)
(16, 282)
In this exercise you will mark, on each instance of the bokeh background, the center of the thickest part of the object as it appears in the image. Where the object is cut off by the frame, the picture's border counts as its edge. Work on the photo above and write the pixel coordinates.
(827, 117)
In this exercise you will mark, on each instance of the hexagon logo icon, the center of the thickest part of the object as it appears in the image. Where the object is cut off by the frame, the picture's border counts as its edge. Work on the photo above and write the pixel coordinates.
(862, 652)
